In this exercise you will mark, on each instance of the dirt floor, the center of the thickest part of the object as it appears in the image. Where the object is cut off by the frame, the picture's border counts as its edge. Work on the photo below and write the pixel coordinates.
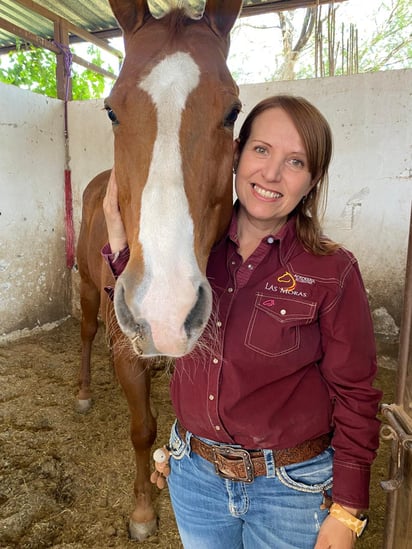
(66, 479)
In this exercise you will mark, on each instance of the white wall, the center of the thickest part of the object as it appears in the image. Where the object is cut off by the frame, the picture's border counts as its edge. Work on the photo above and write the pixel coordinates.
(369, 199)
(91, 150)
(91, 147)
(34, 282)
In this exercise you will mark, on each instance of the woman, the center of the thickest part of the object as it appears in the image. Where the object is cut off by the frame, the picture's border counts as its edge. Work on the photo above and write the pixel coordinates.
(276, 414)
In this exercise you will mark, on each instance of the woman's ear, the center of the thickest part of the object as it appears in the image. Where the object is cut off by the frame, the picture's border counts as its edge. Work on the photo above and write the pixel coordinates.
(315, 181)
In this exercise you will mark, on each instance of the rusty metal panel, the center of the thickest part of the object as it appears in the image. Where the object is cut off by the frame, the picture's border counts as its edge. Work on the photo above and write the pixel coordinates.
(403, 525)
(398, 429)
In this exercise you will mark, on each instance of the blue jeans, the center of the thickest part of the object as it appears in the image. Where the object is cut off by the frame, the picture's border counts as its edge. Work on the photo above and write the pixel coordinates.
(278, 511)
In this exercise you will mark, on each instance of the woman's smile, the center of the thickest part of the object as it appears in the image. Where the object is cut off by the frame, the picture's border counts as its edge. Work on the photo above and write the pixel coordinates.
(266, 194)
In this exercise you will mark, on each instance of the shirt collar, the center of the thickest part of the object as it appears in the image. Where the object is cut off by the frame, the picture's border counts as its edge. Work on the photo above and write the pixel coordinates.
(286, 236)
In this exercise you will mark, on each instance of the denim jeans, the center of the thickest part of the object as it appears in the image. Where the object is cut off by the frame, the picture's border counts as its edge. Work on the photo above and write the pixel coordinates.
(278, 511)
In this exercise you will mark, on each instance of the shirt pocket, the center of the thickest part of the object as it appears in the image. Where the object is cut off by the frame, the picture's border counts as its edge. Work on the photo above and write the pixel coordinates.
(274, 327)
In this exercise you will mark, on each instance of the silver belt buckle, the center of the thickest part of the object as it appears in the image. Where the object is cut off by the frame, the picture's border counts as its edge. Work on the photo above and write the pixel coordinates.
(240, 453)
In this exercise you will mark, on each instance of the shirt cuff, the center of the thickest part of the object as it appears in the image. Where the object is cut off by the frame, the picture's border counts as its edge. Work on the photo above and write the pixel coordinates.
(351, 484)
(116, 261)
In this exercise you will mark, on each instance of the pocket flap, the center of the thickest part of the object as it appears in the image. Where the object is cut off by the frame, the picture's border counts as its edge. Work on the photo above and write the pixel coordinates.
(286, 309)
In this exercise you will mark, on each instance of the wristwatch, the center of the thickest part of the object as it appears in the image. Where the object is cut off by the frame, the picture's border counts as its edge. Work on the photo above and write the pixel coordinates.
(356, 524)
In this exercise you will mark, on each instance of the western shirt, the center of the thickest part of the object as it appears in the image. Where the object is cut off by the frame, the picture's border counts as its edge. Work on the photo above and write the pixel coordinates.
(288, 355)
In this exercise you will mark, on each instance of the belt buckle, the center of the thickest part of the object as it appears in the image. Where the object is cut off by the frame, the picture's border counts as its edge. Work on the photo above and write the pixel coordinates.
(230, 452)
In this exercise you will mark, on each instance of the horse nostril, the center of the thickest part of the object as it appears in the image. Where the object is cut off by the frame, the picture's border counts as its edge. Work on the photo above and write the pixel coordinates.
(135, 330)
(197, 316)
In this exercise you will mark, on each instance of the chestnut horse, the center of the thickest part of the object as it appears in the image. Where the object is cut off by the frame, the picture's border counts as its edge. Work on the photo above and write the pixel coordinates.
(173, 108)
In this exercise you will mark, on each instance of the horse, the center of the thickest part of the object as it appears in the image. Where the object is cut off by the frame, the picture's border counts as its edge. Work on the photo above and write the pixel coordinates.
(173, 108)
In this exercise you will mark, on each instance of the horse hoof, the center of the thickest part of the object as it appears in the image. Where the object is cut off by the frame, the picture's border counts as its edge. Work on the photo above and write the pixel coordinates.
(141, 530)
(83, 405)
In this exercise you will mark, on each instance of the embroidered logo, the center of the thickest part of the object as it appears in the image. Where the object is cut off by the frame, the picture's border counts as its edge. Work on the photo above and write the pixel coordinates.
(304, 279)
(287, 278)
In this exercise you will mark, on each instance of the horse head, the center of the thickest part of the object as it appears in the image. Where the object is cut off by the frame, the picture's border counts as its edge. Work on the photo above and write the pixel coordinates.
(173, 108)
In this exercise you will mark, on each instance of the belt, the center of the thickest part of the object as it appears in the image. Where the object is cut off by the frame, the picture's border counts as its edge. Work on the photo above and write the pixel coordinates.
(244, 465)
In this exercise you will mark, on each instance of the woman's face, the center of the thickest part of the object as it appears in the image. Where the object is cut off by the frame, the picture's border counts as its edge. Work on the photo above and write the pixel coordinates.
(272, 173)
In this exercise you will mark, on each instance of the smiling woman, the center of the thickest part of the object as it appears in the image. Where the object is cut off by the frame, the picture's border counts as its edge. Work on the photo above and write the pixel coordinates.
(291, 167)
(272, 175)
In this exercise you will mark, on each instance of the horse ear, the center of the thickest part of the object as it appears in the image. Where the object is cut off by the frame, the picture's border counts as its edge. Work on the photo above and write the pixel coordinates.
(222, 15)
(131, 14)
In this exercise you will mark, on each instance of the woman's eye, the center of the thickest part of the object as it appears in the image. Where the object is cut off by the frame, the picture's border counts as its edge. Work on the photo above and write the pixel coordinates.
(296, 163)
(259, 149)
(112, 115)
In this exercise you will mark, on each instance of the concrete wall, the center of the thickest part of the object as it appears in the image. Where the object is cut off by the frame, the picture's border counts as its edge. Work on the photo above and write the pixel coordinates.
(34, 283)
(369, 199)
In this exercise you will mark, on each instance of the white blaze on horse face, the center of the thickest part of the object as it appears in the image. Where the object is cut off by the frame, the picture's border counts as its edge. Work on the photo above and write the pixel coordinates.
(172, 277)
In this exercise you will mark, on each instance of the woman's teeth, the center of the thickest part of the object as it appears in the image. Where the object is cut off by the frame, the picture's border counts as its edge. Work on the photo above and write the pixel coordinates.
(265, 193)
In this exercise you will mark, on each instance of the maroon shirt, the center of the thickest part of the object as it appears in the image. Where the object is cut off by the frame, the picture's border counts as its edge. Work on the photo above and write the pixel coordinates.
(288, 355)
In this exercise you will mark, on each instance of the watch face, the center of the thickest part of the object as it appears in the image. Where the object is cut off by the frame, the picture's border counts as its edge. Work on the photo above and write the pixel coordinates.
(364, 519)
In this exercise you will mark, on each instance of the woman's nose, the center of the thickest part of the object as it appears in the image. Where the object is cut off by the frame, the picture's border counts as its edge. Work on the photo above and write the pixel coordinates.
(272, 170)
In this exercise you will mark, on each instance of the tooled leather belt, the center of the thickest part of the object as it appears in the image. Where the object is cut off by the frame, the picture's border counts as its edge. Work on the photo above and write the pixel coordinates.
(244, 465)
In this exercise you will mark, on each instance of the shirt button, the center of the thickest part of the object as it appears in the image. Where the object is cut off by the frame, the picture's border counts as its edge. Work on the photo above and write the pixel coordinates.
(233, 262)
(230, 290)
(215, 360)
(283, 312)
(211, 397)
(217, 427)
(270, 240)
(218, 324)
(250, 266)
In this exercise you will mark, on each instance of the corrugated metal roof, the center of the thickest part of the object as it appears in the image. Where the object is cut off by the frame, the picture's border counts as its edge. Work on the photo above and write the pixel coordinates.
(94, 16)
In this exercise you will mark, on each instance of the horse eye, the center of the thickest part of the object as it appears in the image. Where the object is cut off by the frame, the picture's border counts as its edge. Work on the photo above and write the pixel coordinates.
(112, 115)
(231, 118)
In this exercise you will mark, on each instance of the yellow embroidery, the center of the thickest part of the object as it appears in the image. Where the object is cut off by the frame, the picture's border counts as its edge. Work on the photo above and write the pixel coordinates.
(288, 278)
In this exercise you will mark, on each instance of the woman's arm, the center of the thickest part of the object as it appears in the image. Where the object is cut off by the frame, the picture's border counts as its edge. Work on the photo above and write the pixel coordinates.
(116, 251)
(115, 227)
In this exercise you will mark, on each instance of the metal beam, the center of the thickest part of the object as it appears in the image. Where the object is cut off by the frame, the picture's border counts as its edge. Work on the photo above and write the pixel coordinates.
(92, 67)
(85, 35)
(28, 36)
(281, 5)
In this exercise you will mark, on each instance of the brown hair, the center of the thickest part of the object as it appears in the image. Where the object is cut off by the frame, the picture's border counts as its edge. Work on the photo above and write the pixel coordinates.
(316, 135)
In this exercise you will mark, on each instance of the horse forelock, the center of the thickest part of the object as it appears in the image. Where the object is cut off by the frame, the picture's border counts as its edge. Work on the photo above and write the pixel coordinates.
(176, 21)
(184, 9)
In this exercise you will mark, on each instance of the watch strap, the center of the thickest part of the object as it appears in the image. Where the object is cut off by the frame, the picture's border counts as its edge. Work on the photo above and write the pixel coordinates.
(356, 524)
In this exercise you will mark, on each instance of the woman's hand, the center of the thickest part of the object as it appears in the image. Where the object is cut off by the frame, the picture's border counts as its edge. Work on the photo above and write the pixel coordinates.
(115, 227)
(335, 535)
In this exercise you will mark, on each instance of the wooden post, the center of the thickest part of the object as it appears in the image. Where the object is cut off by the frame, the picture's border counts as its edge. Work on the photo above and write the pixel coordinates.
(61, 38)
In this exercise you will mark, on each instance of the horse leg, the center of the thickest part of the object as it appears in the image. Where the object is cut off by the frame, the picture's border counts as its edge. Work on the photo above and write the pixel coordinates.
(134, 376)
(90, 302)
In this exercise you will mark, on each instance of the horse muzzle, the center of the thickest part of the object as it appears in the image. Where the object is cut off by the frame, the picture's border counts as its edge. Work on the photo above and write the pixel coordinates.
(160, 326)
